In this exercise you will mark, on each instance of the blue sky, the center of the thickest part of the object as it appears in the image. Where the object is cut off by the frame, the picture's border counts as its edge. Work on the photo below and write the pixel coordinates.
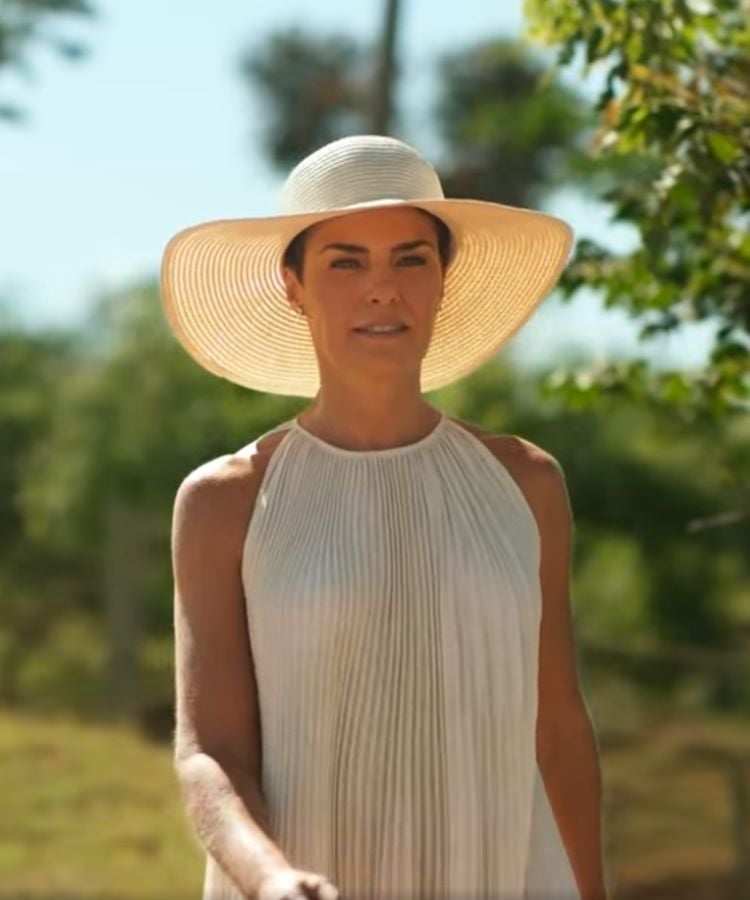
(155, 131)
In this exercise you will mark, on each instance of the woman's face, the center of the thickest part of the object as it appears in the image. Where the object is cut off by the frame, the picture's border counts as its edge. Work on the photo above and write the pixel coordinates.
(379, 265)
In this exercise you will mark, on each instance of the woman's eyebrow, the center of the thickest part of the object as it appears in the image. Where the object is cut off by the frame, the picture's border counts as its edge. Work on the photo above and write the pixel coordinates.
(349, 248)
(357, 248)
(411, 245)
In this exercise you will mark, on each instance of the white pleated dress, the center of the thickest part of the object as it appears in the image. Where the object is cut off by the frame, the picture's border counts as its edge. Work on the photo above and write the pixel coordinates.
(394, 604)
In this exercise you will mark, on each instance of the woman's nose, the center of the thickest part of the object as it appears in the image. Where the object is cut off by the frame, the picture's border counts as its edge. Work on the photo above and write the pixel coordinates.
(383, 290)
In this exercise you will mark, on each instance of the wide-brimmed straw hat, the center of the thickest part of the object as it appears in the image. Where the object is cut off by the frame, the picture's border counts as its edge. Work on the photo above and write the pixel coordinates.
(225, 299)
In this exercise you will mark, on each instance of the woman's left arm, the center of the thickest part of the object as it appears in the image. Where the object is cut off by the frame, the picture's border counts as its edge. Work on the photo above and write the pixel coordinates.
(566, 747)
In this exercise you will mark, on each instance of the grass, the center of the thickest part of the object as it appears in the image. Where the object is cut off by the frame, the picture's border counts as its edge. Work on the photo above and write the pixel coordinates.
(94, 811)
(90, 811)
(669, 781)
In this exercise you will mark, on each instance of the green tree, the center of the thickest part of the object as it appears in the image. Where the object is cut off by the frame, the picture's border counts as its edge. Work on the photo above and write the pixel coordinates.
(505, 129)
(641, 480)
(98, 433)
(130, 416)
(509, 132)
(315, 90)
(27, 23)
(31, 365)
(677, 95)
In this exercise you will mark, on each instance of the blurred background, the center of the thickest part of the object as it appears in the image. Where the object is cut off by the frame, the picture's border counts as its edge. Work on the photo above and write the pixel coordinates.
(123, 122)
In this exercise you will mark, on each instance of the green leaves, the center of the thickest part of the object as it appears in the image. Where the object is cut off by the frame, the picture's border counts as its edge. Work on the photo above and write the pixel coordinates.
(676, 101)
(503, 124)
(313, 88)
(24, 23)
(725, 149)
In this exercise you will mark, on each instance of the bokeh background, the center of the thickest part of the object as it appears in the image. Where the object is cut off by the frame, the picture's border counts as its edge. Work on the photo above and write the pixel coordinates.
(123, 122)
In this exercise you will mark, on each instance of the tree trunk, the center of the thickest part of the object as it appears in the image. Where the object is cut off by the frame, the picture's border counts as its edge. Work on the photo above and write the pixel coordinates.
(123, 600)
(382, 108)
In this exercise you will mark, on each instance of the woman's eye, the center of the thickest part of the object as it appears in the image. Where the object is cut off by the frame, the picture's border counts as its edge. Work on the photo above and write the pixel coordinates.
(414, 258)
(343, 263)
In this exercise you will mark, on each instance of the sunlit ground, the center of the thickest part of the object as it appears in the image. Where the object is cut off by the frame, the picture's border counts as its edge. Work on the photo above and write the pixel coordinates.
(94, 811)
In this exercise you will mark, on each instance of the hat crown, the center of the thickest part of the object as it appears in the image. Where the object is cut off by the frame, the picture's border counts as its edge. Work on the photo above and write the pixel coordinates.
(360, 169)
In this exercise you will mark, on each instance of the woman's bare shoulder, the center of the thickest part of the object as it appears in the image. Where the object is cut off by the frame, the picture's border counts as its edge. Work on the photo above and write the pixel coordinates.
(530, 465)
(221, 492)
(510, 446)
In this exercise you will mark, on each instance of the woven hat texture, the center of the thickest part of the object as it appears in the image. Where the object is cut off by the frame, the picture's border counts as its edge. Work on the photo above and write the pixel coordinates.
(224, 296)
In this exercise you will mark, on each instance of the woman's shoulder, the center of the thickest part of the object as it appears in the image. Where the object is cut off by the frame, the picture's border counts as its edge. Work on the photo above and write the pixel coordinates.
(531, 466)
(512, 447)
(221, 491)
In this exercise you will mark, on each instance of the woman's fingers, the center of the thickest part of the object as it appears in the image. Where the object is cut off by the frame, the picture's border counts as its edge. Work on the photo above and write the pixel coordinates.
(319, 888)
(295, 884)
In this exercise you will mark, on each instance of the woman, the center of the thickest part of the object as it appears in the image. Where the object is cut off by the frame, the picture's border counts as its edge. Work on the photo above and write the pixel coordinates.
(375, 671)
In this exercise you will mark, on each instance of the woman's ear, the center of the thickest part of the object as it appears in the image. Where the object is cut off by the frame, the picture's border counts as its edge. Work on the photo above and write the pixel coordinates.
(291, 285)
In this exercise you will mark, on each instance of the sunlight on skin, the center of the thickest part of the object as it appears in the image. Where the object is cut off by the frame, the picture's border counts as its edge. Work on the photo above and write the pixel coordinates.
(381, 281)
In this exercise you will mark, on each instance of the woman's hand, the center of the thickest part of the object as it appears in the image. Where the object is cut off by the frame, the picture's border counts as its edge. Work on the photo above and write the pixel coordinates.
(296, 884)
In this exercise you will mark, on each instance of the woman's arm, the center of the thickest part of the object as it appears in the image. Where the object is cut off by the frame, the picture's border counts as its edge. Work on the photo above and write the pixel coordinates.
(228, 813)
(217, 751)
(567, 750)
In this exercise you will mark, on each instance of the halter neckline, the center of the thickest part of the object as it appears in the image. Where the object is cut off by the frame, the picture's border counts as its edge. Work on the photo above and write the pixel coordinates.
(413, 447)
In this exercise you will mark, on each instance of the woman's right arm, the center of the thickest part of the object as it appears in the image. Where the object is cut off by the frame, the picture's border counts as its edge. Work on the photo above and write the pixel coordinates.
(217, 746)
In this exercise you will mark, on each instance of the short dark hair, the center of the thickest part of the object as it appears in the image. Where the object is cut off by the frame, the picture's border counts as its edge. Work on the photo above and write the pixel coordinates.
(294, 255)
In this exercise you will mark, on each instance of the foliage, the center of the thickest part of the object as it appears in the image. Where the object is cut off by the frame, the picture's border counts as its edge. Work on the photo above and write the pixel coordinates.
(315, 90)
(504, 132)
(32, 575)
(116, 419)
(640, 485)
(126, 419)
(506, 128)
(24, 23)
(677, 95)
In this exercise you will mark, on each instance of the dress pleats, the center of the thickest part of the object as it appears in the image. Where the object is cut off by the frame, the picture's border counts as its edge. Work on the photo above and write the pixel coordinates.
(393, 604)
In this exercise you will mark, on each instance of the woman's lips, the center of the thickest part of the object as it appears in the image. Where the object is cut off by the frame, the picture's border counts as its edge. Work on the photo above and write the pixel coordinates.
(382, 334)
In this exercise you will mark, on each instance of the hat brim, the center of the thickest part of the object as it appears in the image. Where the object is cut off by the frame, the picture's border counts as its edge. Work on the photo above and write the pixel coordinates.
(225, 301)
